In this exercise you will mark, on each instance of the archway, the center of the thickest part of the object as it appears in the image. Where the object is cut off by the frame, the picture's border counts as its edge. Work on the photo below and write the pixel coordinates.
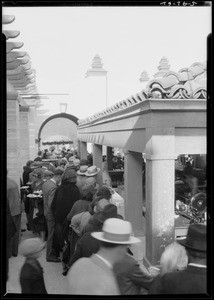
(57, 116)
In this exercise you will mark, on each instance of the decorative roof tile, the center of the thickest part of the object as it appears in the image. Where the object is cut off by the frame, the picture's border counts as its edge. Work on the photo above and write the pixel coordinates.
(188, 83)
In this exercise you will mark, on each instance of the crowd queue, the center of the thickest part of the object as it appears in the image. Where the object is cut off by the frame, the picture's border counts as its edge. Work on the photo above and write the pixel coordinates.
(81, 225)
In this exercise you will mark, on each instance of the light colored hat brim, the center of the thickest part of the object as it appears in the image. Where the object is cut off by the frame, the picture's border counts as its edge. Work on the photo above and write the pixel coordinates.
(99, 236)
(90, 175)
(81, 173)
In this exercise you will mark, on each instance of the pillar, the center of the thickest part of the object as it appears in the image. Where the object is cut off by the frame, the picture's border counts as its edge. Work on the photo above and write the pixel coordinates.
(24, 134)
(83, 149)
(13, 134)
(32, 133)
(133, 189)
(109, 157)
(160, 184)
(98, 162)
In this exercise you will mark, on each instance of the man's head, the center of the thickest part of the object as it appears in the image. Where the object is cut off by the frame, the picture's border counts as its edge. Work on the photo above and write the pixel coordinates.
(70, 175)
(115, 238)
(58, 172)
(195, 243)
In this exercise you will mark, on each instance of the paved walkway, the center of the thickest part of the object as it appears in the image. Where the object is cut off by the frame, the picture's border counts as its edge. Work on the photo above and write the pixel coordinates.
(55, 282)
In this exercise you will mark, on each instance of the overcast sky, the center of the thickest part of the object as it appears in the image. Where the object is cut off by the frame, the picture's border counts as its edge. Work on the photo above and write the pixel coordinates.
(62, 42)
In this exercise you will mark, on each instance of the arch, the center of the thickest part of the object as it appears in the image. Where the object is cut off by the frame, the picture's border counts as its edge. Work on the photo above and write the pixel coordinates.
(61, 115)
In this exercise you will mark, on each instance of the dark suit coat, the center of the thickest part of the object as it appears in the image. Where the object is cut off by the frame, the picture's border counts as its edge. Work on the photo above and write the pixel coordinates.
(31, 278)
(192, 280)
(130, 277)
(85, 247)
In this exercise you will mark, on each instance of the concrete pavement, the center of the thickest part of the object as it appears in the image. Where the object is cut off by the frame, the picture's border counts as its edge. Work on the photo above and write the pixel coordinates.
(55, 282)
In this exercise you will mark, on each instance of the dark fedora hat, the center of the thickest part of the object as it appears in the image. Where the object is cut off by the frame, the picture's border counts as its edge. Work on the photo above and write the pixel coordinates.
(109, 211)
(196, 238)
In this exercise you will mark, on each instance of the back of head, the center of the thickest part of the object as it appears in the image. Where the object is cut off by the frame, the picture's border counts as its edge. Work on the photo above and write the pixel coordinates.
(87, 192)
(173, 258)
(58, 171)
(104, 192)
(69, 175)
(101, 204)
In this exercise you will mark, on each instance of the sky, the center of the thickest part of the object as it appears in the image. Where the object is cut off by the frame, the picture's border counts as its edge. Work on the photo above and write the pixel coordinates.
(62, 41)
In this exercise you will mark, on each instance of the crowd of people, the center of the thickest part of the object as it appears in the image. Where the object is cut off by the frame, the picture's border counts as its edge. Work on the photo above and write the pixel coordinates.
(82, 226)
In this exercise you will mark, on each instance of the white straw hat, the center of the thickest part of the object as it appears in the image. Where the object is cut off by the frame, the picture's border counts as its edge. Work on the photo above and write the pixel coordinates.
(92, 171)
(116, 231)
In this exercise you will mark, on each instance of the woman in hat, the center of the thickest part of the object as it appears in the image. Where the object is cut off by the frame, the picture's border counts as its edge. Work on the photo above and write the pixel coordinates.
(81, 178)
(65, 197)
(31, 275)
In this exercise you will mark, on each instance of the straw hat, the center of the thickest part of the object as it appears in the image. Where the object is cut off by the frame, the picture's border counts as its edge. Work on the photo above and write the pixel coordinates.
(31, 246)
(116, 231)
(92, 171)
(82, 170)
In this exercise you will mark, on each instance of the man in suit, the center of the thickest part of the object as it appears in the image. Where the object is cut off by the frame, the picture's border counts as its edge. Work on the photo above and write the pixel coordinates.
(192, 280)
(48, 190)
(94, 275)
(14, 200)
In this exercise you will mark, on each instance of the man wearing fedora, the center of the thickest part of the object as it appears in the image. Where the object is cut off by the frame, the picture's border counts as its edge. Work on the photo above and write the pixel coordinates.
(192, 280)
(94, 275)
(48, 190)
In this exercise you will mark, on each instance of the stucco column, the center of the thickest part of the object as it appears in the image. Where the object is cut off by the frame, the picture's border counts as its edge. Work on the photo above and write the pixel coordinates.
(97, 161)
(24, 134)
(13, 134)
(109, 156)
(32, 133)
(160, 184)
(133, 189)
(83, 149)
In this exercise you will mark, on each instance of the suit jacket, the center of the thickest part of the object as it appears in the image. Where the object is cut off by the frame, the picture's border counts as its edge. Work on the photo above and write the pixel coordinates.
(48, 190)
(192, 280)
(85, 247)
(130, 277)
(13, 197)
(31, 277)
(91, 276)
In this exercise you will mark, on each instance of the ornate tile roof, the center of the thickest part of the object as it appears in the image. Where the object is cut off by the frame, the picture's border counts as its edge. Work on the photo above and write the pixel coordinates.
(188, 83)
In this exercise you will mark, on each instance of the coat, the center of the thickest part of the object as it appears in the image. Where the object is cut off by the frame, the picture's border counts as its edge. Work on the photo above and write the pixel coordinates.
(91, 276)
(48, 190)
(79, 206)
(65, 197)
(31, 277)
(13, 197)
(130, 277)
(85, 247)
(192, 280)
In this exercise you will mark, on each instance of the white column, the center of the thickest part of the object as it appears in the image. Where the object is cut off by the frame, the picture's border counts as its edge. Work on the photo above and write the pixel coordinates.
(13, 134)
(32, 133)
(97, 161)
(24, 134)
(83, 149)
(160, 183)
(133, 190)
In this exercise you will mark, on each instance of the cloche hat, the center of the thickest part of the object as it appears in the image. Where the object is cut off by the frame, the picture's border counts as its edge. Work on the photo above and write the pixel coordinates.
(92, 181)
(116, 231)
(82, 170)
